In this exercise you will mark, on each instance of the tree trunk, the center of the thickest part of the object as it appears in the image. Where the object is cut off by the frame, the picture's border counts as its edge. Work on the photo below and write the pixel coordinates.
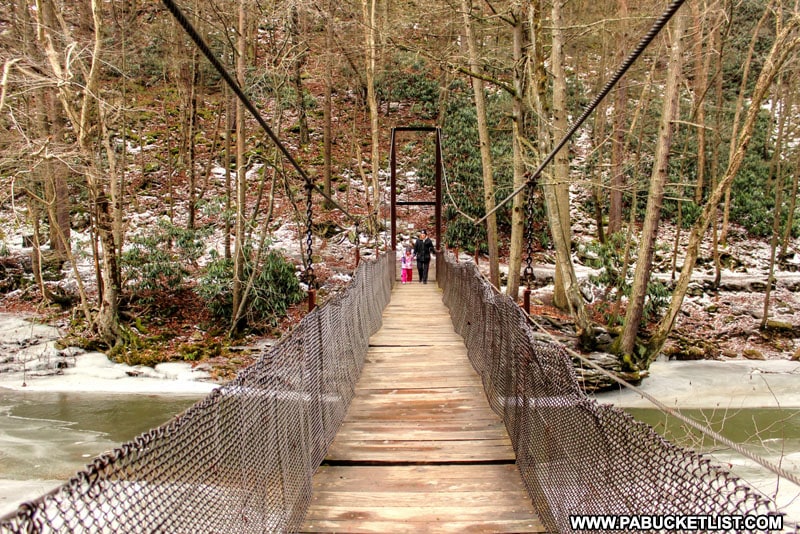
(785, 43)
(369, 14)
(485, 145)
(82, 111)
(655, 198)
(718, 45)
(787, 230)
(192, 127)
(230, 128)
(781, 104)
(768, 12)
(241, 178)
(599, 141)
(518, 208)
(327, 131)
(58, 210)
(700, 87)
(297, 80)
(618, 138)
(538, 78)
(561, 162)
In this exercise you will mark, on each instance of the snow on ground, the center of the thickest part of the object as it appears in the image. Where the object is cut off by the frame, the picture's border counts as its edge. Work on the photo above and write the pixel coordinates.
(31, 361)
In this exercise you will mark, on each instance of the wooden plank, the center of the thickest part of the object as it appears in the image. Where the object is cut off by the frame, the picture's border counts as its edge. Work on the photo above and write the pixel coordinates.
(355, 431)
(421, 452)
(380, 478)
(418, 510)
(420, 449)
(437, 526)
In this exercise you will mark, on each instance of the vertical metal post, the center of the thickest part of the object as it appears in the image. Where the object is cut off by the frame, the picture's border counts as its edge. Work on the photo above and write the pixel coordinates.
(312, 299)
(438, 208)
(393, 183)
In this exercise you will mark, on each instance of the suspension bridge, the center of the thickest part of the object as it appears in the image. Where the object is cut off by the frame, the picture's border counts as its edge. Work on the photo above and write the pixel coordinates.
(396, 408)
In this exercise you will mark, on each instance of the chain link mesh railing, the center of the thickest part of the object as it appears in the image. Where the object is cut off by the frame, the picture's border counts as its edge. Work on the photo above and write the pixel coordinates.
(242, 459)
(577, 456)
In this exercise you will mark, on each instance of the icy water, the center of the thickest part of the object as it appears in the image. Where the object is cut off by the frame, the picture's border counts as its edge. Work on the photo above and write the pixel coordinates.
(771, 433)
(51, 436)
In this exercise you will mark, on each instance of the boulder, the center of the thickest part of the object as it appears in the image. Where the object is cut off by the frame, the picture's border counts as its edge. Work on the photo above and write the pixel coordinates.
(780, 326)
(753, 354)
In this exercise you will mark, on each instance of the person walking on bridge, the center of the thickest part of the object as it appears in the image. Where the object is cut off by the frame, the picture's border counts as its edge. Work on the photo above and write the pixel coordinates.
(407, 264)
(423, 248)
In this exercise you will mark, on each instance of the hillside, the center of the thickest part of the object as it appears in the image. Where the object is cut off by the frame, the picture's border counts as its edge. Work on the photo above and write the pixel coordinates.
(141, 171)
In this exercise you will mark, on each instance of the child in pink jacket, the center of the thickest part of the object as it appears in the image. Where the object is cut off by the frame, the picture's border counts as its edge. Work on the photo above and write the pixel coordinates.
(407, 265)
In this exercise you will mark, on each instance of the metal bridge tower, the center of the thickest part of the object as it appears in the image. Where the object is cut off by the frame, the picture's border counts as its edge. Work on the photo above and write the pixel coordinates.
(437, 203)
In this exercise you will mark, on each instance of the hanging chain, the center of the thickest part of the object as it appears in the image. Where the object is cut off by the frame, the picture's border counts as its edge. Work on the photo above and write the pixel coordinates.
(309, 276)
(529, 207)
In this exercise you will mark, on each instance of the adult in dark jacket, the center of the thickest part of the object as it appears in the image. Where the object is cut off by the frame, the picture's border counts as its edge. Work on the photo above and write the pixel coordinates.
(423, 248)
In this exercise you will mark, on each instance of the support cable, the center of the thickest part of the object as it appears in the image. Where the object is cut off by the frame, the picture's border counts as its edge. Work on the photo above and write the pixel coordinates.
(659, 24)
(201, 44)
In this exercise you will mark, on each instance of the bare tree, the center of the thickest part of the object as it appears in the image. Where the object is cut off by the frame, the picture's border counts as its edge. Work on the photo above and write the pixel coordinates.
(542, 108)
(618, 136)
(84, 108)
(655, 198)
(518, 214)
(781, 103)
(369, 14)
(485, 143)
(239, 258)
(786, 43)
(738, 110)
(299, 54)
(561, 162)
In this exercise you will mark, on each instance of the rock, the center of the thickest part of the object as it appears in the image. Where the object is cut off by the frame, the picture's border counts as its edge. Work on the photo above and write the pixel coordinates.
(775, 324)
(712, 308)
(796, 356)
(694, 290)
(71, 352)
(592, 380)
(604, 339)
(758, 286)
(753, 354)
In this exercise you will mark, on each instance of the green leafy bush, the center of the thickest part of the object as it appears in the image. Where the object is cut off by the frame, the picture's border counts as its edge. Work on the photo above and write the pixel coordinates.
(275, 288)
(159, 260)
(608, 259)
(408, 79)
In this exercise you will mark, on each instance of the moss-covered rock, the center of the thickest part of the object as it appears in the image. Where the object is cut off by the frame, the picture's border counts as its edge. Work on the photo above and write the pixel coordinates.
(753, 354)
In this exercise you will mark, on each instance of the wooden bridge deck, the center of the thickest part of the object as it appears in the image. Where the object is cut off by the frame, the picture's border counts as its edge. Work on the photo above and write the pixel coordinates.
(420, 450)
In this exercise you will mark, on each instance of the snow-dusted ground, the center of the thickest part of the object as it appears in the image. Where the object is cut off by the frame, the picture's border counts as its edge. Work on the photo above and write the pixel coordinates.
(31, 361)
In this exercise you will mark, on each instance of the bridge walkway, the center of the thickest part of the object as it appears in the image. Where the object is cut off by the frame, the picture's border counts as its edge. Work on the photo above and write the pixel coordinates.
(419, 450)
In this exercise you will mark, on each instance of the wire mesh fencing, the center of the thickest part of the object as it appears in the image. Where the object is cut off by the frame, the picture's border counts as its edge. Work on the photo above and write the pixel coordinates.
(242, 459)
(576, 456)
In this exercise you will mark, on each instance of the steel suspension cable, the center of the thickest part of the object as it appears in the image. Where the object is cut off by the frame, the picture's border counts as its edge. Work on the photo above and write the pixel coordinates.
(203, 46)
(659, 24)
